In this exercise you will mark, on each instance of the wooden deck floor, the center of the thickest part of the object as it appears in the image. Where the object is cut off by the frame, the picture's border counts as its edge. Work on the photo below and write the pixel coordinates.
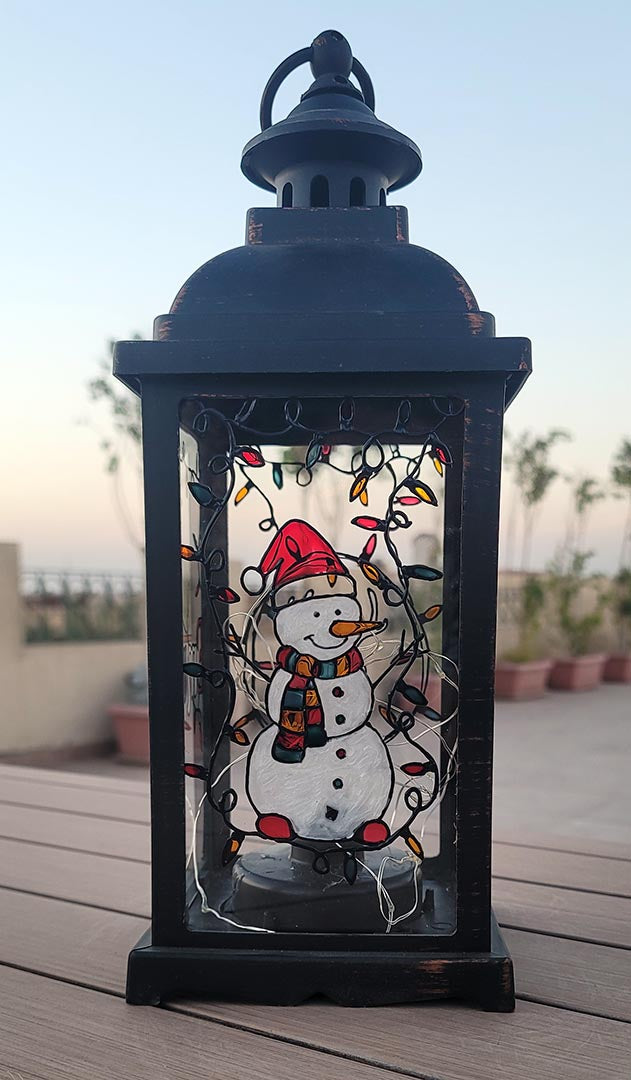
(74, 896)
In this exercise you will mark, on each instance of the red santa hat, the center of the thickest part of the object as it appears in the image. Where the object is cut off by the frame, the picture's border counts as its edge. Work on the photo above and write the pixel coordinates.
(297, 552)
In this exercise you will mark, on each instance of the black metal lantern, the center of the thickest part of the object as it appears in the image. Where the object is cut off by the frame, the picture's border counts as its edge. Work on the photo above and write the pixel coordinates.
(322, 425)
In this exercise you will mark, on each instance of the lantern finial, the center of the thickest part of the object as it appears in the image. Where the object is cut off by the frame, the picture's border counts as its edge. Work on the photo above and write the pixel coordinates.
(334, 127)
(331, 54)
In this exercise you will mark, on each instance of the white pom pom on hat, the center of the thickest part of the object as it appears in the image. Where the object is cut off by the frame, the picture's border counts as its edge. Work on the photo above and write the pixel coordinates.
(252, 580)
(296, 552)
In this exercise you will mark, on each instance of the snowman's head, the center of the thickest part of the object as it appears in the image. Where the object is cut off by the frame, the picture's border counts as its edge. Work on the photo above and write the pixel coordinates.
(305, 624)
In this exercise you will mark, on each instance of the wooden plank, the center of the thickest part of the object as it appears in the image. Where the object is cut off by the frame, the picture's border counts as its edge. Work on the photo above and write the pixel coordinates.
(579, 845)
(563, 912)
(447, 1041)
(132, 841)
(74, 829)
(540, 866)
(76, 800)
(59, 1032)
(514, 861)
(127, 840)
(67, 941)
(574, 974)
(65, 778)
(452, 1042)
(87, 945)
(503, 835)
(109, 883)
(124, 886)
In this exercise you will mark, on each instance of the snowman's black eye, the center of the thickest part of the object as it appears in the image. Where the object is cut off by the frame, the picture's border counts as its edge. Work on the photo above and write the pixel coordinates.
(316, 614)
(337, 611)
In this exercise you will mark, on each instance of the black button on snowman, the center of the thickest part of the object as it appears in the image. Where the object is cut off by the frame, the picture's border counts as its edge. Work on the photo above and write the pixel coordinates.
(321, 771)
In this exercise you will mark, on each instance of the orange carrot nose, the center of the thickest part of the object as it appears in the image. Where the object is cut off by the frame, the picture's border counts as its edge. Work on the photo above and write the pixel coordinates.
(343, 628)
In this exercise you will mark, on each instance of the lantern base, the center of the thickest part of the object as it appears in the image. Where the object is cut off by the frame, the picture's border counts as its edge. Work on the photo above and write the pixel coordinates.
(280, 891)
(358, 977)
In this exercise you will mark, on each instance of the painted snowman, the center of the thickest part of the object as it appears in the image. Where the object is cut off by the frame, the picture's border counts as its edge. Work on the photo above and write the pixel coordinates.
(320, 771)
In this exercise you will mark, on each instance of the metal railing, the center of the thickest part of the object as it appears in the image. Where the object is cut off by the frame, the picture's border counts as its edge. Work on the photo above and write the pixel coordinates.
(509, 604)
(78, 605)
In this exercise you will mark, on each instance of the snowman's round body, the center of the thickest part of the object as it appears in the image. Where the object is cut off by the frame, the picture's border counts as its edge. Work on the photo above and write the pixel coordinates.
(337, 787)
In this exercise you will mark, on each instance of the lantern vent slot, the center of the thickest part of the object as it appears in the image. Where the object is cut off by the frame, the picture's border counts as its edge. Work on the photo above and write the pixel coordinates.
(288, 195)
(382, 197)
(357, 192)
(320, 191)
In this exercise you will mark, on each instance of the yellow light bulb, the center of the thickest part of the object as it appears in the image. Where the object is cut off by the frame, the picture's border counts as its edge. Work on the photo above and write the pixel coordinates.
(414, 846)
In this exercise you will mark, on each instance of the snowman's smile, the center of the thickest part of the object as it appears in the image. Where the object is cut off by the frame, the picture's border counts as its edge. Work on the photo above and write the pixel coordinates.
(327, 648)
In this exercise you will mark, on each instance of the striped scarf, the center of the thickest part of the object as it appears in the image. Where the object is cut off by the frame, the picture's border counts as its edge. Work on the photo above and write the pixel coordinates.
(301, 721)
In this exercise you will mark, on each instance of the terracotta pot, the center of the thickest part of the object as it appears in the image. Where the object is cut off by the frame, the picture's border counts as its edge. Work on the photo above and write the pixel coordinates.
(618, 668)
(131, 727)
(521, 681)
(433, 692)
(578, 672)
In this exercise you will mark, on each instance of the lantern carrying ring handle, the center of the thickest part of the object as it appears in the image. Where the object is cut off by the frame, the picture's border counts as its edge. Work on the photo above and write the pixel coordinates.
(306, 56)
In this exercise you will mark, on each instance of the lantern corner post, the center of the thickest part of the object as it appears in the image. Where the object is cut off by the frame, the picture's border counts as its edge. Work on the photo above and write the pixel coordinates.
(160, 422)
(141, 987)
(477, 611)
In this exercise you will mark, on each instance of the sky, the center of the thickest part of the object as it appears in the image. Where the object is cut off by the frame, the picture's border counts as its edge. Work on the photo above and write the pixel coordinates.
(123, 128)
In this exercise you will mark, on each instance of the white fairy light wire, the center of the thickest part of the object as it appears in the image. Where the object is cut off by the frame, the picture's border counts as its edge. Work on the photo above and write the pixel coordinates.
(246, 676)
(386, 904)
(383, 894)
(205, 906)
(429, 729)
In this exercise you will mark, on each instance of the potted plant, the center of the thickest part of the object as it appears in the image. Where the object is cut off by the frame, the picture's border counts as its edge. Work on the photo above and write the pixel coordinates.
(583, 668)
(528, 462)
(523, 673)
(618, 665)
(578, 617)
(131, 719)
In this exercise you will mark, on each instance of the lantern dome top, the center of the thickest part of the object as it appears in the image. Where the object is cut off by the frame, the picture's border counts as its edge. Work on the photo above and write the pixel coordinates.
(327, 282)
(331, 150)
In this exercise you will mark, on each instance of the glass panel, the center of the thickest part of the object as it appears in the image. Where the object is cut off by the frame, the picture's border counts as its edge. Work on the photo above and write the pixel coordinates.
(190, 516)
(320, 709)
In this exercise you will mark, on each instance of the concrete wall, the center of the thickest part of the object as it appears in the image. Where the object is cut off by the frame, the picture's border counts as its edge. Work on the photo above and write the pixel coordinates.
(54, 695)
